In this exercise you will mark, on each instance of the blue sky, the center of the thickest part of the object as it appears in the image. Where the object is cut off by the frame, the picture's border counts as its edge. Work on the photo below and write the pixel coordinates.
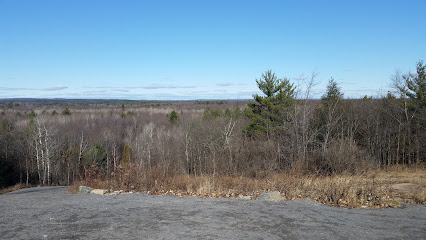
(182, 50)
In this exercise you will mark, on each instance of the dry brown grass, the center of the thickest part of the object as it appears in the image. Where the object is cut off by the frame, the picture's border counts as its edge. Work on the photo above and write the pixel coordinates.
(14, 188)
(349, 191)
(408, 184)
(74, 188)
(372, 189)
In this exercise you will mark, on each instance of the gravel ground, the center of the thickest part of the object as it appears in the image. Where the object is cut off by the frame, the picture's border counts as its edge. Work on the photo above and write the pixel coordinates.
(52, 213)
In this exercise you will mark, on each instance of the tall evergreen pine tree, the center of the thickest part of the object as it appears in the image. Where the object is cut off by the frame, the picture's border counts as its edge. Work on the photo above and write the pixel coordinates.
(269, 113)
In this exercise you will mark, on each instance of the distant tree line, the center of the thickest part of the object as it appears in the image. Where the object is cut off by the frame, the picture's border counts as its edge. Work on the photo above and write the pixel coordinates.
(283, 130)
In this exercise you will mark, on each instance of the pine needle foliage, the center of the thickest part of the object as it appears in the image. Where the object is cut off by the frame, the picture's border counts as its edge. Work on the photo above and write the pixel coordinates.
(270, 112)
(416, 85)
(173, 117)
(333, 93)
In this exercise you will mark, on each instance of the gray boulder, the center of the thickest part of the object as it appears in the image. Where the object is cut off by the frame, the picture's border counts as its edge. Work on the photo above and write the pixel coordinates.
(99, 191)
(84, 189)
(271, 196)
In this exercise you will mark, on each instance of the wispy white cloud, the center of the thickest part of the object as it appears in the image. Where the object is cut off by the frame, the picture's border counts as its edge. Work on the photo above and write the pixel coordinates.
(101, 87)
(16, 89)
(120, 90)
(95, 92)
(55, 88)
(192, 93)
(247, 91)
(161, 86)
(225, 84)
(152, 86)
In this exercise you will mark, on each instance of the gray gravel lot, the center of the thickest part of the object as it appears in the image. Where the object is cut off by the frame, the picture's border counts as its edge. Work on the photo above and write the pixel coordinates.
(52, 213)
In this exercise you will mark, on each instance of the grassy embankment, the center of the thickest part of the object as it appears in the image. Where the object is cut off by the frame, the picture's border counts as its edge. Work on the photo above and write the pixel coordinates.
(377, 188)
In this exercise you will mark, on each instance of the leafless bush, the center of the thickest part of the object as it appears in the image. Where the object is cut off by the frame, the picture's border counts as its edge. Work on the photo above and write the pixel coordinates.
(369, 133)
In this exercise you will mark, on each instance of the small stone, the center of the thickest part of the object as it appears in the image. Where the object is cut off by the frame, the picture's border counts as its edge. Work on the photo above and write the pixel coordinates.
(245, 197)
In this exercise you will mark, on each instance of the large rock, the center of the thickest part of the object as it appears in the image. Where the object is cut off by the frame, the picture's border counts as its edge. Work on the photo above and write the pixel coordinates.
(84, 189)
(98, 191)
(394, 204)
(271, 196)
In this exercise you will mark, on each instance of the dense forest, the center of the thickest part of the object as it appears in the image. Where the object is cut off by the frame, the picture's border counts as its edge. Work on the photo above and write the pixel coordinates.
(141, 144)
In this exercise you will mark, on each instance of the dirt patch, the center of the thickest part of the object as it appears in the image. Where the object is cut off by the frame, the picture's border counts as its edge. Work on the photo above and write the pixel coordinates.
(409, 192)
(405, 187)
